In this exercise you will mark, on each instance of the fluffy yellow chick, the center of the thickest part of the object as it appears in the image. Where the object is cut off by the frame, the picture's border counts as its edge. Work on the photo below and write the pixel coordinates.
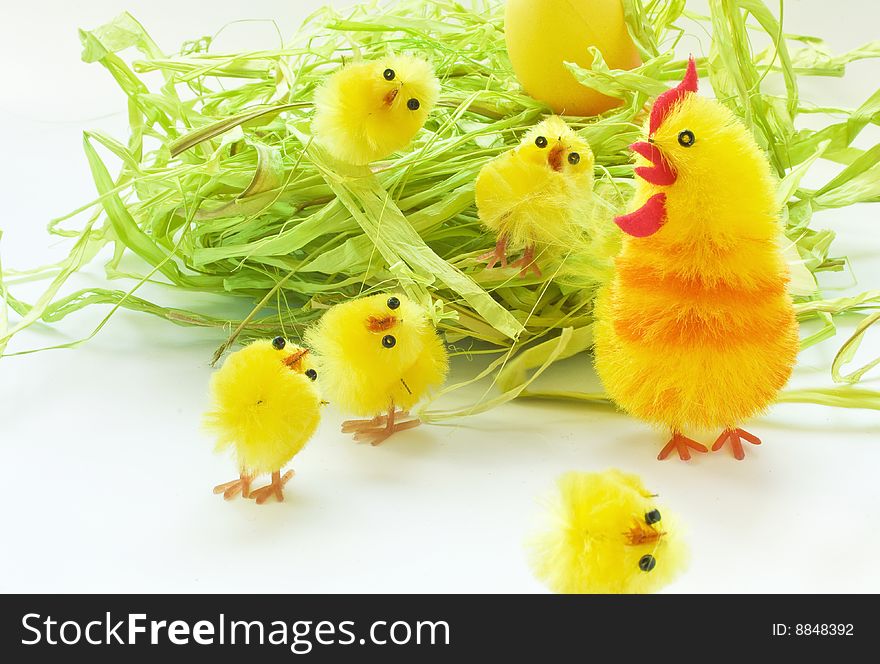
(265, 407)
(369, 110)
(607, 535)
(697, 330)
(537, 195)
(378, 356)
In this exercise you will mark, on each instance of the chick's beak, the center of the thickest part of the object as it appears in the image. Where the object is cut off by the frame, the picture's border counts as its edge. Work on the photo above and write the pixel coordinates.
(660, 172)
(294, 360)
(391, 96)
(640, 534)
(554, 157)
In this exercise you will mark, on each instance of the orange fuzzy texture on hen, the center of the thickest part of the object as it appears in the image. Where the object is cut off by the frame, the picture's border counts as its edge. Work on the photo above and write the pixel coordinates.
(697, 330)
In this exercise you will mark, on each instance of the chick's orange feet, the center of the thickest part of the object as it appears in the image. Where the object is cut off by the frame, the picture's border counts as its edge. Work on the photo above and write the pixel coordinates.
(378, 429)
(736, 436)
(497, 255)
(683, 445)
(240, 487)
(527, 263)
(275, 489)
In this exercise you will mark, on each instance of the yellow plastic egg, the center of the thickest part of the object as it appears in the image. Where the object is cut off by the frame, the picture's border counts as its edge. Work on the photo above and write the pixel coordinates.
(543, 34)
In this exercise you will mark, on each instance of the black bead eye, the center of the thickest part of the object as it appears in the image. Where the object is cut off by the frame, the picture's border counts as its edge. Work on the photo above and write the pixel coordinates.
(388, 341)
(541, 142)
(311, 374)
(388, 74)
(647, 562)
(393, 302)
(413, 104)
(278, 343)
(652, 517)
(574, 158)
(686, 138)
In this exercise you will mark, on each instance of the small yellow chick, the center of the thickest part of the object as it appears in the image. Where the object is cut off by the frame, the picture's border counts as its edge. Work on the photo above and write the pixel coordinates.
(537, 194)
(265, 406)
(369, 110)
(607, 536)
(378, 357)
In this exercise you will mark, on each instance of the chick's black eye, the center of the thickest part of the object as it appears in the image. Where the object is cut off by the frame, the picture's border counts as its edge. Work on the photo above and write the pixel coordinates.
(413, 104)
(388, 74)
(388, 341)
(686, 138)
(393, 302)
(541, 142)
(647, 562)
(574, 158)
(278, 343)
(311, 374)
(652, 517)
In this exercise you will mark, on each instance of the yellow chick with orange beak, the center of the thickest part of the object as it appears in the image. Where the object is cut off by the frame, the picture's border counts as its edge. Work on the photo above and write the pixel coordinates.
(605, 533)
(378, 357)
(369, 110)
(696, 330)
(265, 408)
(537, 195)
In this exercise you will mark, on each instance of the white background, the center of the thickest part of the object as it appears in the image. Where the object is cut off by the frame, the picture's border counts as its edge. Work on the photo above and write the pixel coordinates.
(106, 475)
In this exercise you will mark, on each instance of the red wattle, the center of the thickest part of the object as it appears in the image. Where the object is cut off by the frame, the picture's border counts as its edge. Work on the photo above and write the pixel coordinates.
(645, 221)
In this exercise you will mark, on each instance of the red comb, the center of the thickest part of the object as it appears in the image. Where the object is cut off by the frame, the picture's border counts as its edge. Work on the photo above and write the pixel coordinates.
(668, 99)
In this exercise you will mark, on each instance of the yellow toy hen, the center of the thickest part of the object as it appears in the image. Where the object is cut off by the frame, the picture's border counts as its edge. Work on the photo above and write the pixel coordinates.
(696, 329)
(266, 408)
(378, 356)
(369, 110)
(607, 535)
(537, 195)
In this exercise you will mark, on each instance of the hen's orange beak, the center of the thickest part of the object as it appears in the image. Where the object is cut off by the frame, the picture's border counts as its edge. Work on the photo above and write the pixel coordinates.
(660, 172)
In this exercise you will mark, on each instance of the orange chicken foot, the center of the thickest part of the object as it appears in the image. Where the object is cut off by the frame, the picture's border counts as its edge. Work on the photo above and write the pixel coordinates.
(274, 489)
(527, 263)
(497, 255)
(735, 437)
(683, 445)
(231, 489)
(378, 429)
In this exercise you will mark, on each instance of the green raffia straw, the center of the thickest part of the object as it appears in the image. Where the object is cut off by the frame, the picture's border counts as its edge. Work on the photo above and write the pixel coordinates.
(238, 200)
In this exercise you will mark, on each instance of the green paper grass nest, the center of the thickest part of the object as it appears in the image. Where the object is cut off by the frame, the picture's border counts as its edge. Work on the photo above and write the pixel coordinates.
(221, 189)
